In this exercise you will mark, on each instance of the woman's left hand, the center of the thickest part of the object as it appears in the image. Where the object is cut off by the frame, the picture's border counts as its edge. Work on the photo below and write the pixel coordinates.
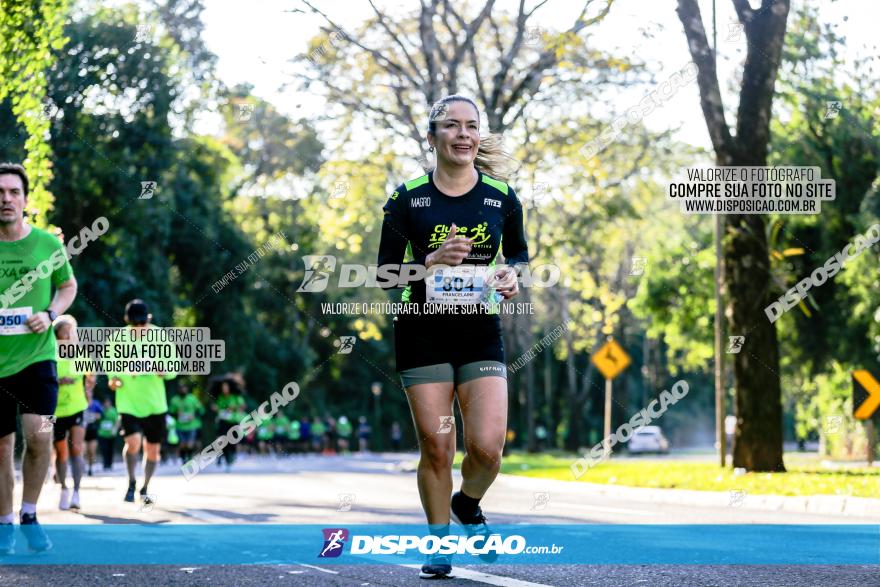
(505, 282)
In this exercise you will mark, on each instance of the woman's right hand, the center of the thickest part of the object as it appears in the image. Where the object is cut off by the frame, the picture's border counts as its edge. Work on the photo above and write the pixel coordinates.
(452, 252)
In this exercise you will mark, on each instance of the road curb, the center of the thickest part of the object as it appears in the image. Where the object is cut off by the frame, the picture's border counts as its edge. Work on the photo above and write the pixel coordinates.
(814, 504)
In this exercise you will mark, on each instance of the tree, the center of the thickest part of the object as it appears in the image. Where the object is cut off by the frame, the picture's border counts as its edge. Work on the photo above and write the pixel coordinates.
(29, 33)
(444, 51)
(746, 264)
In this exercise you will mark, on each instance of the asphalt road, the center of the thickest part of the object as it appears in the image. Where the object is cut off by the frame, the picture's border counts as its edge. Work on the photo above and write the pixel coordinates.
(367, 489)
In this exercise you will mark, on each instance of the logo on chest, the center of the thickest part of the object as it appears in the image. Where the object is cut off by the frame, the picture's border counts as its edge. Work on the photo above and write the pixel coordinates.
(420, 202)
(491, 202)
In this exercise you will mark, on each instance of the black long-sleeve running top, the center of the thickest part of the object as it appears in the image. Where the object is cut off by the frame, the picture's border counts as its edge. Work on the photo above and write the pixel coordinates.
(418, 218)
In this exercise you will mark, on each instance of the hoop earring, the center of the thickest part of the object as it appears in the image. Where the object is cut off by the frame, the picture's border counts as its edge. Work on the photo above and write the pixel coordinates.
(431, 149)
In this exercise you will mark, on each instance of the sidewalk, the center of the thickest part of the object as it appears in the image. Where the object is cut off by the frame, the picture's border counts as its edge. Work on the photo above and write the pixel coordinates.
(816, 504)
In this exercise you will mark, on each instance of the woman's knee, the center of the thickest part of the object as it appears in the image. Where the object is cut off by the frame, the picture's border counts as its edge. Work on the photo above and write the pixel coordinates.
(485, 453)
(439, 452)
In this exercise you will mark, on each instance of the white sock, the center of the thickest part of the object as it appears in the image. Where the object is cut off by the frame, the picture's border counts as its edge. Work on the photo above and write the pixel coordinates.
(7, 519)
(28, 508)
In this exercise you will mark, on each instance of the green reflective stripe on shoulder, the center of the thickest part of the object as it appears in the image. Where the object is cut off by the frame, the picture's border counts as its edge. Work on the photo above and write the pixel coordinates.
(498, 185)
(414, 183)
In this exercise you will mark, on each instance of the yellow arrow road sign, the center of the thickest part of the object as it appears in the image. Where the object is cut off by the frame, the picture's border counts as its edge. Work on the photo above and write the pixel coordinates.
(611, 359)
(866, 394)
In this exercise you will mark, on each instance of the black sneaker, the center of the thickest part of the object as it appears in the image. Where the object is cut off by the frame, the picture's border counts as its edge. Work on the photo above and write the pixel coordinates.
(129, 495)
(475, 525)
(36, 537)
(145, 497)
(7, 539)
(438, 566)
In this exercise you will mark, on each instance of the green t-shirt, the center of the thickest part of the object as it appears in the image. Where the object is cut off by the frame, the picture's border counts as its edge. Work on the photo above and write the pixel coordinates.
(264, 432)
(142, 395)
(171, 426)
(19, 347)
(107, 422)
(344, 428)
(318, 429)
(293, 431)
(71, 396)
(187, 409)
(230, 408)
(281, 425)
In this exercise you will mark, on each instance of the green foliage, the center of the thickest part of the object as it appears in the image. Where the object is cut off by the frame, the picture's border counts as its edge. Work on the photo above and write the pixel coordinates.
(29, 34)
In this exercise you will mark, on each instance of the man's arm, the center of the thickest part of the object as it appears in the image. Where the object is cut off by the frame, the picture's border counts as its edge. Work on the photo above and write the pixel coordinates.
(65, 293)
(64, 296)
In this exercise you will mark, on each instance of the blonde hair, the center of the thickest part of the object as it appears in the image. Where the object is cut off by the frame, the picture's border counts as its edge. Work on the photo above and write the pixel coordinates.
(66, 320)
(491, 157)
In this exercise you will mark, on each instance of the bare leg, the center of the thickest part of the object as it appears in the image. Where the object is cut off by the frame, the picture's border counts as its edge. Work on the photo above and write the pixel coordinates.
(429, 402)
(483, 404)
(37, 453)
(7, 473)
(77, 446)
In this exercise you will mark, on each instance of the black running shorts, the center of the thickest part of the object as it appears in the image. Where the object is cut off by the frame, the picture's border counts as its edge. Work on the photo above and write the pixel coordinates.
(152, 427)
(33, 390)
(65, 423)
(432, 350)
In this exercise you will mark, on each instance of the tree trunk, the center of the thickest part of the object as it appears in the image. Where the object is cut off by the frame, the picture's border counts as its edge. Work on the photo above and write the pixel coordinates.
(746, 263)
(575, 415)
(758, 439)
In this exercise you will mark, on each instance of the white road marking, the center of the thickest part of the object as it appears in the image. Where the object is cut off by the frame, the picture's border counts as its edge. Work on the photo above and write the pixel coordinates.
(206, 517)
(319, 569)
(599, 508)
(459, 573)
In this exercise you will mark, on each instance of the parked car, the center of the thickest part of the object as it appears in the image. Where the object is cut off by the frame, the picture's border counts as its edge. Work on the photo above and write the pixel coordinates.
(648, 439)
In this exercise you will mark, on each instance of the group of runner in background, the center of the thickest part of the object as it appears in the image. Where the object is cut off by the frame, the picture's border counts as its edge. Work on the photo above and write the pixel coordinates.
(85, 425)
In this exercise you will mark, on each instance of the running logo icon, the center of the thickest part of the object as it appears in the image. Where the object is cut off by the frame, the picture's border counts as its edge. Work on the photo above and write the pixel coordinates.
(318, 271)
(346, 500)
(148, 188)
(334, 540)
(340, 190)
(245, 111)
(832, 109)
(542, 498)
(638, 265)
(447, 423)
(735, 344)
(47, 423)
(833, 424)
(345, 344)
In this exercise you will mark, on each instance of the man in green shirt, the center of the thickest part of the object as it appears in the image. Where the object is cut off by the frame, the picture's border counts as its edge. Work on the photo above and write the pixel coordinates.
(281, 426)
(344, 429)
(319, 431)
(188, 410)
(69, 417)
(293, 435)
(140, 399)
(107, 429)
(230, 408)
(264, 436)
(36, 284)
